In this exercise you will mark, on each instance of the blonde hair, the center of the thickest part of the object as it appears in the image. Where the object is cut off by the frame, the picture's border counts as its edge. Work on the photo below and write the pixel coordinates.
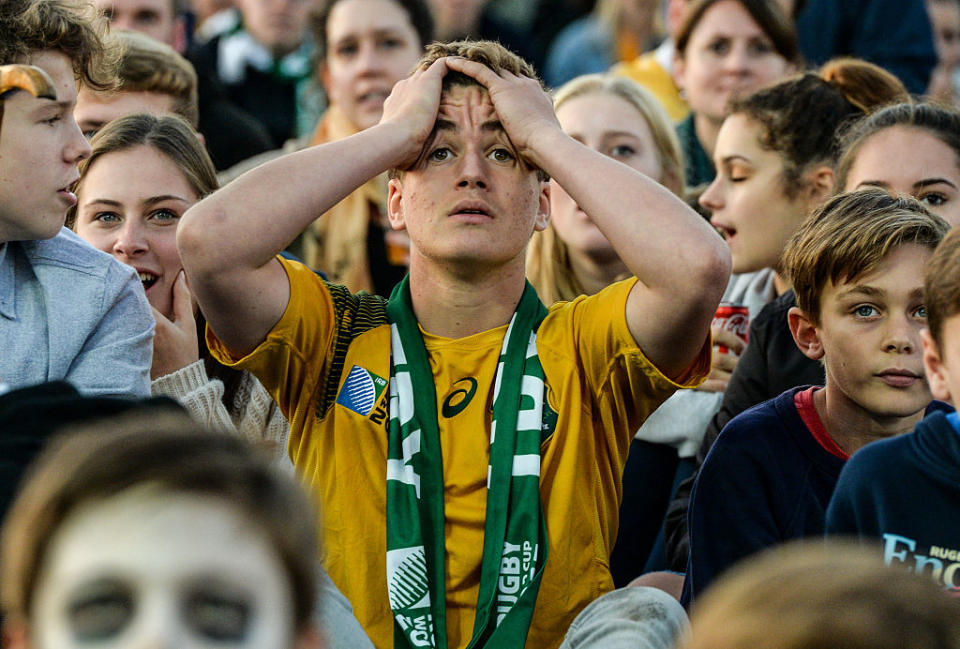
(548, 258)
(823, 595)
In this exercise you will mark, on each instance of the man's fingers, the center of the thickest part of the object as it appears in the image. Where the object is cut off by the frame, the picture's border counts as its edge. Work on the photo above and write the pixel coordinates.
(478, 71)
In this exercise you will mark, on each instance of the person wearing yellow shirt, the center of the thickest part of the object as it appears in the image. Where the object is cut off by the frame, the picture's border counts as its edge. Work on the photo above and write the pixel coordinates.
(465, 444)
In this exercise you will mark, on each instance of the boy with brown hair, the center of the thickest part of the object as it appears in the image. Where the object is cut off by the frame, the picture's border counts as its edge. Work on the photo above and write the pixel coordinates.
(856, 266)
(904, 491)
(438, 531)
(151, 78)
(67, 311)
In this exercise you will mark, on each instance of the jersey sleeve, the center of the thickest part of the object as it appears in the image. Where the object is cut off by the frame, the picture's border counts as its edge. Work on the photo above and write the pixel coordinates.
(615, 370)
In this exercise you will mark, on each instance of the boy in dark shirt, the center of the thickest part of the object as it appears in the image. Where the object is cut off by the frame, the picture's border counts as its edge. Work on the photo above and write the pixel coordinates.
(906, 490)
(857, 268)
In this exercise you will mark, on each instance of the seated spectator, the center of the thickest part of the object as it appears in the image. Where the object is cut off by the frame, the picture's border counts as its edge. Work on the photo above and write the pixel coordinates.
(67, 312)
(902, 494)
(470, 138)
(152, 78)
(831, 596)
(615, 31)
(628, 618)
(571, 257)
(857, 267)
(143, 174)
(265, 67)
(153, 532)
(894, 34)
(724, 49)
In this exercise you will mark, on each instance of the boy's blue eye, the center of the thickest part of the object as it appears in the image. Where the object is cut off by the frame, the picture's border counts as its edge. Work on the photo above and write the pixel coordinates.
(865, 311)
(921, 312)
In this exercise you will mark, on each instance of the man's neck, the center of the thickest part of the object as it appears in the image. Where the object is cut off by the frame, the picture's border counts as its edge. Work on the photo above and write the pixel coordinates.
(455, 305)
(595, 274)
(851, 426)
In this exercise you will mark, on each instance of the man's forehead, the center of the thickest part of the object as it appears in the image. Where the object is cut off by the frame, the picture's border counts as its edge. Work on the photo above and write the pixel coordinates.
(465, 105)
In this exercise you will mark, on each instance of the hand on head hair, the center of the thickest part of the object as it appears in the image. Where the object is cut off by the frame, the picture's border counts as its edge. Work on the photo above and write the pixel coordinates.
(175, 343)
(524, 108)
(412, 106)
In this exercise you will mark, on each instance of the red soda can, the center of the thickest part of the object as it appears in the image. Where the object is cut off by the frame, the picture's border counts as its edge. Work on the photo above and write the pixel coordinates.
(735, 318)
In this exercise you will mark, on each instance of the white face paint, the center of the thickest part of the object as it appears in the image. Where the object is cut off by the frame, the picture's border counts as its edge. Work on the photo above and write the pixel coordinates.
(153, 569)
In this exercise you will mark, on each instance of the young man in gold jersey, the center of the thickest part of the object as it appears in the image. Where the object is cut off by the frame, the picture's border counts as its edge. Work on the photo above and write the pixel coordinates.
(465, 444)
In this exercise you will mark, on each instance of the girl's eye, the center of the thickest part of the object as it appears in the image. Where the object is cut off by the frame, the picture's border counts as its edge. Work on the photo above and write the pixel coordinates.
(933, 199)
(106, 217)
(165, 216)
(720, 46)
(622, 151)
(439, 155)
(760, 47)
(865, 311)
(501, 155)
(392, 43)
(346, 50)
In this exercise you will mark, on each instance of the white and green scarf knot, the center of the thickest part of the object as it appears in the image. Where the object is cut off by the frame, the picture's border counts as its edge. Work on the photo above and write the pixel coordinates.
(515, 535)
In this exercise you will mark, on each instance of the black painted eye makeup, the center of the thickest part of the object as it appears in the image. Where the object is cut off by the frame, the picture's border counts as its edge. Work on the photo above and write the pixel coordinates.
(100, 610)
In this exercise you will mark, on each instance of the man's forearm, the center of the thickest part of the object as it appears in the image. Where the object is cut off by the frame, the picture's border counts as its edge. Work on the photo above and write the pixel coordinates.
(257, 215)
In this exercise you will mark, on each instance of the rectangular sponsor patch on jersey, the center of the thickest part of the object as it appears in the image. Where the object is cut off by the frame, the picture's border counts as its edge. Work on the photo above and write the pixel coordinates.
(361, 390)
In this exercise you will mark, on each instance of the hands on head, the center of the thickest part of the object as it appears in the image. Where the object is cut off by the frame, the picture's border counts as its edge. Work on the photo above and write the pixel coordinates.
(524, 108)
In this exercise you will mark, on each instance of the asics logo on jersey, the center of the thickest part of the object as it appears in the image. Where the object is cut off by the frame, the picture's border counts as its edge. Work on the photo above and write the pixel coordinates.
(459, 398)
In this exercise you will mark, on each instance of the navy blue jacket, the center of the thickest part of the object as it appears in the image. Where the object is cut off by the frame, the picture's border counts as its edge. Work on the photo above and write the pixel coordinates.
(766, 480)
(905, 492)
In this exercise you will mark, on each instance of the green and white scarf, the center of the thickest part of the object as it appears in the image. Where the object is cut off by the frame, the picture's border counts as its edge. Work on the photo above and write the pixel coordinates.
(515, 535)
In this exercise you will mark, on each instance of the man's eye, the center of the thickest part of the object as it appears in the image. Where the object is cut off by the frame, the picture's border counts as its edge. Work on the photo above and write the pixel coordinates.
(218, 617)
(501, 155)
(439, 155)
(101, 614)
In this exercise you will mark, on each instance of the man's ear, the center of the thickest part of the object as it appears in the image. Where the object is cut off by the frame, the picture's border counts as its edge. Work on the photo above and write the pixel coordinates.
(805, 334)
(543, 209)
(933, 364)
(820, 182)
(394, 204)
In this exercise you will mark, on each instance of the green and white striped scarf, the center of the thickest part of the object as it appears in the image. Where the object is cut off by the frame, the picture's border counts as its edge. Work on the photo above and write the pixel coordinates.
(515, 535)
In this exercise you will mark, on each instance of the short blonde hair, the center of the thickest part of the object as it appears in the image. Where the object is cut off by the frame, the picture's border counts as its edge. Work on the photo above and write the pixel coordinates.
(849, 236)
(548, 259)
(147, 65)
(821, 595)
